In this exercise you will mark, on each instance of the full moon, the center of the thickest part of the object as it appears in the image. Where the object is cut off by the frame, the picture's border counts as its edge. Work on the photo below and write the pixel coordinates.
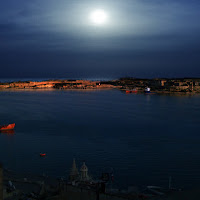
(98, 17)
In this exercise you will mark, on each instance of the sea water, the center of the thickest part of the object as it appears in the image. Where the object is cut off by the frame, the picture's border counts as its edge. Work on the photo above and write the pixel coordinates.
(141, 139)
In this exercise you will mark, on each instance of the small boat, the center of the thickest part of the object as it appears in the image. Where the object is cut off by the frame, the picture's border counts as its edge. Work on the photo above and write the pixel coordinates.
(7, 127)
(131, 91)
(42, 154)
(147, 90)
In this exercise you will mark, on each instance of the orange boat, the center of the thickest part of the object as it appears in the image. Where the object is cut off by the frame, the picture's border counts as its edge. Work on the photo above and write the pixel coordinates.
(7, 127)
(131, 91)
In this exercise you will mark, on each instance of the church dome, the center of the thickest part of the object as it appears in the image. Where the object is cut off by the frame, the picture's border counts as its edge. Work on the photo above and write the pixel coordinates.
(84, 168)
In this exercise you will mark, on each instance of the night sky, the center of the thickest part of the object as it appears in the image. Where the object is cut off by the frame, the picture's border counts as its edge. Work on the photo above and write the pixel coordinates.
(140, 38)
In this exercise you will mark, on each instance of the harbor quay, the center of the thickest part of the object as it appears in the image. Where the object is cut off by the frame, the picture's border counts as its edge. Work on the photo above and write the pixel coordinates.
(175, 85)
(79, 185)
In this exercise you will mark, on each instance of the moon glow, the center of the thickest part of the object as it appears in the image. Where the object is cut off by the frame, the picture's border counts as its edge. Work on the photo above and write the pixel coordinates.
(98, 17)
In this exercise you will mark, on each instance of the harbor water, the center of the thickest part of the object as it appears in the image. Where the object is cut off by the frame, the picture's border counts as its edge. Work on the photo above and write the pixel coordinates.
(141, 139)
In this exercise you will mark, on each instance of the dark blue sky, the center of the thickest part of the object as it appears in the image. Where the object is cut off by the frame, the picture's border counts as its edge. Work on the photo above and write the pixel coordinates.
(142, 38)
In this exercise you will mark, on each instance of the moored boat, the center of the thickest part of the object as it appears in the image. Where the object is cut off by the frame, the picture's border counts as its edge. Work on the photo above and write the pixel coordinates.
(147, 90)
(7, 127)
(131, 91)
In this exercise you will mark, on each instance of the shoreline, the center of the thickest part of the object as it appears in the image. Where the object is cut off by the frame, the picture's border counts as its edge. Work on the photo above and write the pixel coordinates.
(167, 93)
(158, 86)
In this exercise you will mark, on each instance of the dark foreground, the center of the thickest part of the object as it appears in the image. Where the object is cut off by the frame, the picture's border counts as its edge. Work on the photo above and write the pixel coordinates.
(23, 187)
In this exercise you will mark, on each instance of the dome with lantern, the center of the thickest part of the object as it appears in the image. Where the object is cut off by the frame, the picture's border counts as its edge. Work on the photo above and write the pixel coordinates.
(84, 168)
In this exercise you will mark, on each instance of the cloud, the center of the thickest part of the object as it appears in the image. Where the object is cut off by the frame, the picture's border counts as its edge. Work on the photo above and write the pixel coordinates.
(142, 33)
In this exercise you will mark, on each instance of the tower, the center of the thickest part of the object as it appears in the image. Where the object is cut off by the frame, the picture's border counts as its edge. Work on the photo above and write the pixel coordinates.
(74, 172)
(84, 173)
